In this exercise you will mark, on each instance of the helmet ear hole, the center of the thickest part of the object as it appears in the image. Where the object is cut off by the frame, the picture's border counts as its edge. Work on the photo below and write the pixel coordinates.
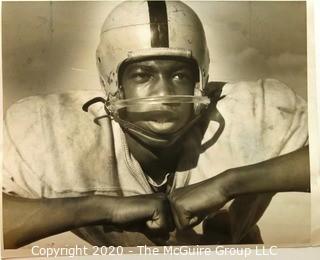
(99, 59)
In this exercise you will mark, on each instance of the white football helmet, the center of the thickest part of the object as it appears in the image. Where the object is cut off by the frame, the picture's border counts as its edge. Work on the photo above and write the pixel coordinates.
(140, 29)
(137, 30)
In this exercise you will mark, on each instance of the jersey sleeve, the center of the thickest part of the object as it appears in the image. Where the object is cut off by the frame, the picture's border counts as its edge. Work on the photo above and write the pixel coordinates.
(53, 149)
(19, 177)
(280, 117)
(287, 109)
(266, 119)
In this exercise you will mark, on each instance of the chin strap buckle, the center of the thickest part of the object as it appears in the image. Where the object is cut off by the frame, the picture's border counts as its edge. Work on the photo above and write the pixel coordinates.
(95, 100)
(86, 105)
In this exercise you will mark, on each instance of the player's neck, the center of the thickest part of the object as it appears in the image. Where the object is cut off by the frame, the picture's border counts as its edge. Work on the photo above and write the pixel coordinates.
(156, 163)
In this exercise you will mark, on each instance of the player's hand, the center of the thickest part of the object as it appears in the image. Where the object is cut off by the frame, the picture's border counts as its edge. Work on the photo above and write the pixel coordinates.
(191, 204)
(150, 211)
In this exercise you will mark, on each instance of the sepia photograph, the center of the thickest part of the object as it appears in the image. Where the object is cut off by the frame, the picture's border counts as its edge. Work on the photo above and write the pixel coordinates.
(155, 123)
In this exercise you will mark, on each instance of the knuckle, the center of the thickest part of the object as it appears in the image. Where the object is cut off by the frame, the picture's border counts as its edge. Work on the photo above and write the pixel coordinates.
(173, 199)
(178, 204)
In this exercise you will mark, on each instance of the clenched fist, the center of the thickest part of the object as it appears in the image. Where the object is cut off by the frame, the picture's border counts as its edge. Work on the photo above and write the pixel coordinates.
(153, 210)
(191, 204)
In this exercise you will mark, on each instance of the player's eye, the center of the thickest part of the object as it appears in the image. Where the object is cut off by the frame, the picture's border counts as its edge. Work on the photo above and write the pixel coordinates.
(179, 76)
(182, 76)
(140, 76)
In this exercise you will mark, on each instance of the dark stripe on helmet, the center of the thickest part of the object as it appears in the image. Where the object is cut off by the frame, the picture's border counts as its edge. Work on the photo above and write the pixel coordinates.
(158, 23)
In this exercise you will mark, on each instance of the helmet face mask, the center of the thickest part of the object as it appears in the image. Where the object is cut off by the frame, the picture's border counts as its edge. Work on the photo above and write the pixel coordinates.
(146, 30)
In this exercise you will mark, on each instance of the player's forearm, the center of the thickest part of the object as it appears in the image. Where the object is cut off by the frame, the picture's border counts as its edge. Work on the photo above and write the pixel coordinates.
(285, 173)
(27, 220)
(289, 172)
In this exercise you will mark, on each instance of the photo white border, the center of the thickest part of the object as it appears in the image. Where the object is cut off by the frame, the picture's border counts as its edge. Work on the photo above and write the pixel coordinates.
(307, 252)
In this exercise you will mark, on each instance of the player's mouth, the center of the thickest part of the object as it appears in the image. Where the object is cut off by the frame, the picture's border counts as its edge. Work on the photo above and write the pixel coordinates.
(161, 127)
(164, 116)
(159, 116)
(161, 121)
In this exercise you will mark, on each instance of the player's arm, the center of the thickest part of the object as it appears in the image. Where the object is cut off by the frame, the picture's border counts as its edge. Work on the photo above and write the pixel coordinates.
(28, 220)
(289, 172)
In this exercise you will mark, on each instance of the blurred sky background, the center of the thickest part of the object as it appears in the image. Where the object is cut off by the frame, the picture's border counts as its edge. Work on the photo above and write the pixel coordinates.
(50, 47)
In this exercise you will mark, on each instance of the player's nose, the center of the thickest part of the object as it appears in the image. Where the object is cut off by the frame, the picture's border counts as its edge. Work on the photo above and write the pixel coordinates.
(163, 86)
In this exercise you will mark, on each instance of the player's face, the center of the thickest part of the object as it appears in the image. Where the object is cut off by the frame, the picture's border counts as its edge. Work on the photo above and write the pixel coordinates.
(159, 77)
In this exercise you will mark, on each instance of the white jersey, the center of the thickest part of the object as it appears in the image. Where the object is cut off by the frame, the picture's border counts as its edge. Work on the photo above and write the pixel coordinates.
(52, 149)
